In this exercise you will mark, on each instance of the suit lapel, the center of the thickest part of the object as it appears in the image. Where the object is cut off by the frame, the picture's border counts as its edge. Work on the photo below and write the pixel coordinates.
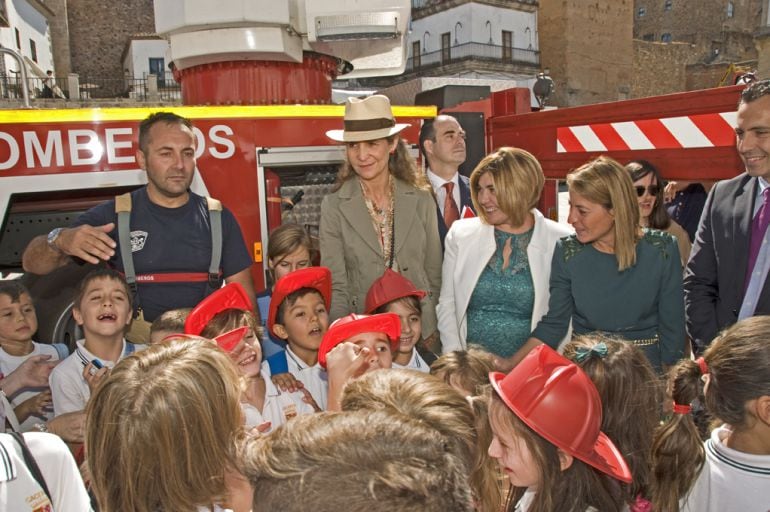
(354, 210)
(744, 210)
(465, 194)
(405, 212)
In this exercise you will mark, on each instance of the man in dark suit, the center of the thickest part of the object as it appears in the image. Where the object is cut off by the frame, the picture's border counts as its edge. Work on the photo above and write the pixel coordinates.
(442, 143)
(726, 277)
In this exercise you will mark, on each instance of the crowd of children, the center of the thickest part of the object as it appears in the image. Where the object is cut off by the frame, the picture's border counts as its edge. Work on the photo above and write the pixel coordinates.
(200, 420)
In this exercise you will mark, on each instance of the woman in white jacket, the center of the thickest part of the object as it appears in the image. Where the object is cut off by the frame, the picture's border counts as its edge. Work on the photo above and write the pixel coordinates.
(497, 266)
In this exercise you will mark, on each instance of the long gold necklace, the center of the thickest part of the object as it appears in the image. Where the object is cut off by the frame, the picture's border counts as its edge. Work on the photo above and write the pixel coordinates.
(383, 221)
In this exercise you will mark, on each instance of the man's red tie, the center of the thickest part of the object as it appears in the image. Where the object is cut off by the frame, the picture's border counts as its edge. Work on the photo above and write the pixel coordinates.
(451, 213)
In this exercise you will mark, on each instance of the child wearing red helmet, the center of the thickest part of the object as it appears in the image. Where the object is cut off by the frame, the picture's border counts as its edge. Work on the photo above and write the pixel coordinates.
(629, 388)
(227, 318)
(357, 344)
(545, 416)
(299, 315)
(394, 293)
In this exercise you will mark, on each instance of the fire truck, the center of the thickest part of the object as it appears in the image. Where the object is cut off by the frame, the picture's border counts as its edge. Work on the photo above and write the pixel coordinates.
(256, 82)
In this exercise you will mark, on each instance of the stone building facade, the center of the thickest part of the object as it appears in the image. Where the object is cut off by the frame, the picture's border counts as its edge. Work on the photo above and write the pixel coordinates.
(723, 35)
(588, 49)
(89, 36)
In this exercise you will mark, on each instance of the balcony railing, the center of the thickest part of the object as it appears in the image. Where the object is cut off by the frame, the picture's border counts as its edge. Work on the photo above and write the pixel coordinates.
(478, 51)
(90, 87)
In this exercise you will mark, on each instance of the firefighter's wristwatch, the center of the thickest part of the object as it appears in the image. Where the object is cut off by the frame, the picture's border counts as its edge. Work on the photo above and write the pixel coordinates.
(52, 236)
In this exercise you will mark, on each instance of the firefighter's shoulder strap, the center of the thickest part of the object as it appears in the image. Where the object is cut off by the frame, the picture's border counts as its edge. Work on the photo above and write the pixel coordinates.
(123, 211)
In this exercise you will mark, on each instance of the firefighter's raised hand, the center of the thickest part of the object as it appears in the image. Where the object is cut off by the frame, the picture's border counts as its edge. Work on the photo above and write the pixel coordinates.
(89, 243)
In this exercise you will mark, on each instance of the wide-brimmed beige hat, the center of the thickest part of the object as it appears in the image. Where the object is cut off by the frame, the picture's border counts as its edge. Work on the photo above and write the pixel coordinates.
(367, 119)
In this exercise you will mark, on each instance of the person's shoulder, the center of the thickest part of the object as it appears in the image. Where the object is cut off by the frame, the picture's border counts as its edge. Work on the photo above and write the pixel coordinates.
(731, 186)
(463, 228)
(659, 241)
(569, 247)
(71, 365)
(658, 238)
(553, 227)
(44, 349)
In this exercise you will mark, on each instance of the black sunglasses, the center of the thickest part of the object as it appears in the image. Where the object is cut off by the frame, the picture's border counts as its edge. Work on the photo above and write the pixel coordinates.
(652, 189)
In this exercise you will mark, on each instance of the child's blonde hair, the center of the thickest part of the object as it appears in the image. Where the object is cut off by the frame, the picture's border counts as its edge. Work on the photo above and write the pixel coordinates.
(465, 369)
(631, 400)
(164, 428)
(738, 370)
(426, 398)
(360, 461)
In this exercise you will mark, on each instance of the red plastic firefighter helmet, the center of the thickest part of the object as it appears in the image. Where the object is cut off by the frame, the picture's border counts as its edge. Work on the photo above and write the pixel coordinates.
(348, 326)
(558, 401)
(317, 278)
(230, 296)
(227, 341)
(389, 287)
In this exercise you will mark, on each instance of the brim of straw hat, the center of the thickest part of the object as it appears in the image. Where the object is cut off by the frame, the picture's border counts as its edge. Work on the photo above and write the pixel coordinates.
(351, 136)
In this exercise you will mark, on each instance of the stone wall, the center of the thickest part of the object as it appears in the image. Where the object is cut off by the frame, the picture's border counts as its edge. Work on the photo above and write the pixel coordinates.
(660, 68)
(99, 32)
(588, 49)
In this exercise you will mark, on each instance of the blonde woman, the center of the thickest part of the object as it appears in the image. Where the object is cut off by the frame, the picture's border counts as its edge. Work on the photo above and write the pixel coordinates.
(168, 421)
(382, 214)
(497, 265)
(612, 276)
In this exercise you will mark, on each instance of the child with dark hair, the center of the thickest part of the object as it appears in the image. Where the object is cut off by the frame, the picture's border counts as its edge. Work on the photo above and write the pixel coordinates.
(631, 403)
(289, 248)
(731, 470)
(355, 345)
(30, 406)
(545, 416)
(299, 315)
(394, 293)
(102, 308)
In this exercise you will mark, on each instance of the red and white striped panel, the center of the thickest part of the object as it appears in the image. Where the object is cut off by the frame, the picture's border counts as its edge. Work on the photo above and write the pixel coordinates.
(698, 131)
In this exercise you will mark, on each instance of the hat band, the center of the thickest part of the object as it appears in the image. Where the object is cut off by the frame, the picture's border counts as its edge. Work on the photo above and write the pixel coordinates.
(365, 125)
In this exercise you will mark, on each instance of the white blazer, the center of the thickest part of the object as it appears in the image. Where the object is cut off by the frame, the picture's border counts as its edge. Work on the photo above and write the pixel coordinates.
(468, 248)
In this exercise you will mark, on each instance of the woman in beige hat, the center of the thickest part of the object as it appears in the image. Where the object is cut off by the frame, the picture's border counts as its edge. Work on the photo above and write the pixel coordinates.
(381, 215)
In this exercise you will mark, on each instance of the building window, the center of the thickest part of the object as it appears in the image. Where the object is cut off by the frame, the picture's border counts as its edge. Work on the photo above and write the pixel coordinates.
(641, 12)
(416, 54)
(666, 38)
(158, 68)
(648, 37)
(667, 5)
(446, 41)
(18, 39)
(33, 50)
(507, 46)
(730, 9)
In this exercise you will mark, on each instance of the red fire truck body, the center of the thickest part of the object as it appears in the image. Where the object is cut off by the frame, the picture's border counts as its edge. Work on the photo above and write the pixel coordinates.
(57, 163)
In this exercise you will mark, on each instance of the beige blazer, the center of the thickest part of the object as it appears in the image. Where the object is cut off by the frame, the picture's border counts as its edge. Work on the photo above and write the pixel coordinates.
(351, 250)
(467, 249)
